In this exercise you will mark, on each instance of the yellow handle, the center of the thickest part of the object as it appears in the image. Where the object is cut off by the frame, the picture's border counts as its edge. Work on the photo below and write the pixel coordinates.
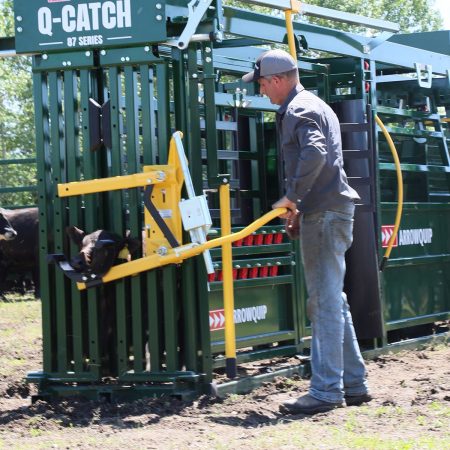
(178, 255)
(295, 8)
(228, 289)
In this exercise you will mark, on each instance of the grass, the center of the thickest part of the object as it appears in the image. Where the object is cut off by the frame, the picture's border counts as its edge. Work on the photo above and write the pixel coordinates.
(20, 334)
(369, 427)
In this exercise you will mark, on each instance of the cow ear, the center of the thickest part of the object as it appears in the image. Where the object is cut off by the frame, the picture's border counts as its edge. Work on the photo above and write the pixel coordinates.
(75, 234)
(133, 245)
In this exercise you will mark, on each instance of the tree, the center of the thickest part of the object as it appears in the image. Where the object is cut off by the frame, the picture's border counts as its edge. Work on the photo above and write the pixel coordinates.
(16, 118)
(411, 15)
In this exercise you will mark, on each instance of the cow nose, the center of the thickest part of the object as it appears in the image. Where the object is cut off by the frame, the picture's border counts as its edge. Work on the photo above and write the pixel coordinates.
(78, 263)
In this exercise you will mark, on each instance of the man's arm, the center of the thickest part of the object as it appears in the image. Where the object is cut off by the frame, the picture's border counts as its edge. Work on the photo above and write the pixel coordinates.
(311, 157)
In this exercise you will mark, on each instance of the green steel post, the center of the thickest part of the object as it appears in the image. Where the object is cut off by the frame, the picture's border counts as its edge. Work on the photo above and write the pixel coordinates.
(58, 167)
(73, 174)
(209, 89)
(116, 222)
(88, 89)
(134, 207)
(40, 94)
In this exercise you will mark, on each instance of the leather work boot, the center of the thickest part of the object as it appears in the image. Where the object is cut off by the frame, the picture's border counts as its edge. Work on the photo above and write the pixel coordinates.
(356, 400)
(308, 405)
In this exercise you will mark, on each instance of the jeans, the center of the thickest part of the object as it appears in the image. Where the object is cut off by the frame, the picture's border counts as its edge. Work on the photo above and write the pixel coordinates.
(336, 362)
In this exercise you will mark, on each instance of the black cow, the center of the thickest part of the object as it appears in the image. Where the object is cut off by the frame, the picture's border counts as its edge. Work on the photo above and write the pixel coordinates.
(21, 253)
(98, 250)
(7, 232)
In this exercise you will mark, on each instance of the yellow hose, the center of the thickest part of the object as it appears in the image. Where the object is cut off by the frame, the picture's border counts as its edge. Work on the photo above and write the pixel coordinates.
(398, 169)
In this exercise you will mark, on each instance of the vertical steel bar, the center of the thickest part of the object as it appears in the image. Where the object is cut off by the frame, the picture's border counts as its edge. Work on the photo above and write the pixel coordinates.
(73, 174)
(134, 208)
(115, 212)
(148, 114)
(87, 89)
(209, 80)
(40, 95)
(58, 171)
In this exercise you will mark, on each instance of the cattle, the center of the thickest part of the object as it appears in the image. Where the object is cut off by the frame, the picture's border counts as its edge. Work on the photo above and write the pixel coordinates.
(98, 251)
(19, 245)
(7, 232)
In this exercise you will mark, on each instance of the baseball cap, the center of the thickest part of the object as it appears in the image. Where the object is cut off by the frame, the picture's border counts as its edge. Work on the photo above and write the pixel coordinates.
(271, 62)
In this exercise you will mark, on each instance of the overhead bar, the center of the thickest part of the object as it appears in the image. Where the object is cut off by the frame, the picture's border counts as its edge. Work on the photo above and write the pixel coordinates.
(329, 14)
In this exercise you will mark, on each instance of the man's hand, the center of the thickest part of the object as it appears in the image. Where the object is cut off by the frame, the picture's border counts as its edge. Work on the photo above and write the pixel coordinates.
(286, 203)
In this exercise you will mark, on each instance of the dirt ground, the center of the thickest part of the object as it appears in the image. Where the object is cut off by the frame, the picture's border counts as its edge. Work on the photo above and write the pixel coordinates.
(411, 410)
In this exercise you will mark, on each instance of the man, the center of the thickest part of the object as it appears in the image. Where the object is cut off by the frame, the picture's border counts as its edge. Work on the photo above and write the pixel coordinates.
(317, 188)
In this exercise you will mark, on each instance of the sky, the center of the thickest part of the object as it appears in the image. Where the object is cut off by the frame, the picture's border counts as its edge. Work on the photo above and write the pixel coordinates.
(443, 6)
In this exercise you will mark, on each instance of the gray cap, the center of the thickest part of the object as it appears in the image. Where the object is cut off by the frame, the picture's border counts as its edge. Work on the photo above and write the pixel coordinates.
(271, 62)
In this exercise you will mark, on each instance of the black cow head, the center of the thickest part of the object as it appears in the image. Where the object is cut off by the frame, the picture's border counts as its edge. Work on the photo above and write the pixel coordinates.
(99, 250)
(7, 232)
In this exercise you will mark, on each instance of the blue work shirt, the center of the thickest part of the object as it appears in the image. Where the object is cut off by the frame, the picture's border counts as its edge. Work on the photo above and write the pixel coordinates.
(310, 140)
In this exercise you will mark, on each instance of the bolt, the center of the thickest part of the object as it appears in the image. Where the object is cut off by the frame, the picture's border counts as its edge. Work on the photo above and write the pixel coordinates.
(149, 181)
(208, 49)
(278, 263)
(19, 18)
(69, 63)
(162, 251)
(292, 263)
(225, 181)
(19, 29)
(158, 6)
(208, 59)
(127, 58)
(194, 75)
(122, 59)
(159, 17)
(44, 56)
(64, 63)
(88, 53)
(237, 266)
(103, 52)
(146, 48)
(160, 176)
(84, 278)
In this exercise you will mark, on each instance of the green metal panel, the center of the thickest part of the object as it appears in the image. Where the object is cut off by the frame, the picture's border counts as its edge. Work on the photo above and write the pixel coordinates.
(162, 332)
(49, 26)
(417, 278)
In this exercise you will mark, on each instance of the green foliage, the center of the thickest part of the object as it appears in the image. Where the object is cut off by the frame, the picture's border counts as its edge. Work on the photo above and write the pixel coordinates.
(16, 119)
(411, 15)
(6, 18)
